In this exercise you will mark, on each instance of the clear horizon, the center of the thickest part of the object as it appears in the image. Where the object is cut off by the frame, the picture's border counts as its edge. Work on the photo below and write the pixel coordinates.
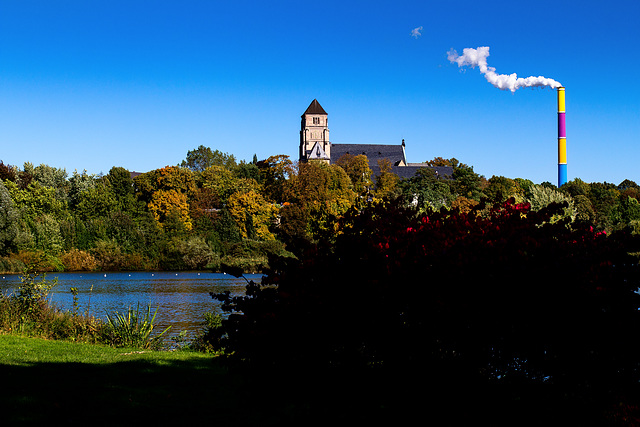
(138, 84)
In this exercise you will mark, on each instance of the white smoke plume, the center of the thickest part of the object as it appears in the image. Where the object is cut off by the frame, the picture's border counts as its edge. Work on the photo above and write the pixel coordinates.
(478, 57)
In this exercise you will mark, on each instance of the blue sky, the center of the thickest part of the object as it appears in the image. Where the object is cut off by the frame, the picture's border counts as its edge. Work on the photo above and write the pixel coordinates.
(92, 84)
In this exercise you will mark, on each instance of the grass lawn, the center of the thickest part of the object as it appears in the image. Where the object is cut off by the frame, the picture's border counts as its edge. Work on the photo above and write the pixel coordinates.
(44, 381)
(79, 384)
(74, 383)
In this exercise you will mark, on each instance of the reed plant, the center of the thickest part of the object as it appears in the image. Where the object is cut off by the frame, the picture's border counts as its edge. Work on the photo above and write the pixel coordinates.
(133, 329)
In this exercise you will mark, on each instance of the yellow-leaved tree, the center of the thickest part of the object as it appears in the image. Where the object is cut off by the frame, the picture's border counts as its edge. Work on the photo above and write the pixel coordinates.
(166, 202)
(252, 214)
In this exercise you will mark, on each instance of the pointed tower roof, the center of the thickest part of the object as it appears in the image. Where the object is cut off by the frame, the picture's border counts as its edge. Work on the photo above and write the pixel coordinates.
(315, 108)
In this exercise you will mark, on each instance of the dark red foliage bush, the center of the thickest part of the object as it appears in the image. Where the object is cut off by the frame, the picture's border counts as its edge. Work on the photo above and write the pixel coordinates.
(500, 292)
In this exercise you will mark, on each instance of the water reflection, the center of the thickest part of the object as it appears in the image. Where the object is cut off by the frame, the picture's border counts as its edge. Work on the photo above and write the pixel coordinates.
(181, 298)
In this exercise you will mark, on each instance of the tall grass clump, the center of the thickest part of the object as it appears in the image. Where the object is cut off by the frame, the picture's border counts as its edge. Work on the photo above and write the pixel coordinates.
(28, 312)
(133, 329)
(24, 310)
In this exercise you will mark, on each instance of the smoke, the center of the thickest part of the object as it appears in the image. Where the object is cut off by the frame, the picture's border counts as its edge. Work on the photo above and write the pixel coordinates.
(478, 57)
(416, 32)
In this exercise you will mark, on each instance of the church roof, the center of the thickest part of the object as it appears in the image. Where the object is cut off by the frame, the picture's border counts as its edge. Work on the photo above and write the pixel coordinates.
(394, 153)
(374, 152)
(315, 108)
(408, 172)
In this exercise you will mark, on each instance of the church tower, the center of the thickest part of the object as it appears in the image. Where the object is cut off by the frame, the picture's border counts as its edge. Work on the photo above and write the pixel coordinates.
(314, 134)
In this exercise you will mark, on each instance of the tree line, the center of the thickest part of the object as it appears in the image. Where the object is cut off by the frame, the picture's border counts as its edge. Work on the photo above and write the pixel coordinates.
(212, 210)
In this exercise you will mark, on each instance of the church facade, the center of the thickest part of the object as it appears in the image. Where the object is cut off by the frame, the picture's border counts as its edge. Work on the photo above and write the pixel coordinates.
(316, 145)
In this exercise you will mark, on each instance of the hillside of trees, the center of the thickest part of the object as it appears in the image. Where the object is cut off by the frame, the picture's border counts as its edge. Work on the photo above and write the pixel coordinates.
(212, 210)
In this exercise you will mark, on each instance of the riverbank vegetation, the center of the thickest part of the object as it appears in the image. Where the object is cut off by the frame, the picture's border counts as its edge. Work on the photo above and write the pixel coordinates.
(211, 210)
(29, 312)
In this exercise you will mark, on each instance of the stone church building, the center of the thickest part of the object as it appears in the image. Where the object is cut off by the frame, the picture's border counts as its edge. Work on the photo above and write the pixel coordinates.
(316, 145)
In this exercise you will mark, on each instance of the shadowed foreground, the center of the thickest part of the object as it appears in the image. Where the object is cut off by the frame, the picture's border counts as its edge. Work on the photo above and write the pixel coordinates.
(183, 387)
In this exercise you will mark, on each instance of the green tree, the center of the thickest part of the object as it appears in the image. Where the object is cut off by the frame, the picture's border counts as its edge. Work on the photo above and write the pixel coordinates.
(427, 191)
(541, 197)
(584, 210)
(500, 188)
(78, 183)
(96, 202)
(225, 229)
(603, 197)
(196, 253)
(576, 187)
(47, 236)
(276, 171)
(36, 200)
(626, 211)
(466, 182)
(526, 185)
(121, 184)
(203, 157)
(51, 177)
(249, 171)
(220, 182)
(8, 222)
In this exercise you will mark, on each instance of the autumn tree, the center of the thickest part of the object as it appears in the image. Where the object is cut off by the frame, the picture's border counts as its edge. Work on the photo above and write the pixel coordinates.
(167, 192)
(7, 172)
(251, 212)
(386, 182)
(358, 170)
(172, 205)
(322, 193)
(508, 298)
(168, 178)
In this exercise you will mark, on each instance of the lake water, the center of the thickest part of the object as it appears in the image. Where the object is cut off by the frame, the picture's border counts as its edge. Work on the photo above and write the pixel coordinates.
(182, 298)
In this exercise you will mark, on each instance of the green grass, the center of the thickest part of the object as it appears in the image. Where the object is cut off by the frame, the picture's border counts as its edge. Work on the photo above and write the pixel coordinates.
(76, 383)
(45, 381)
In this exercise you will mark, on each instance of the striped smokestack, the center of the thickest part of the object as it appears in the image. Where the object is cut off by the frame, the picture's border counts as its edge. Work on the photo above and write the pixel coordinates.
(562, 140)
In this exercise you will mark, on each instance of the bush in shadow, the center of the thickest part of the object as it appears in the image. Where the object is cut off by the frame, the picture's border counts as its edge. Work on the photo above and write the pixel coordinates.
(505, 296)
